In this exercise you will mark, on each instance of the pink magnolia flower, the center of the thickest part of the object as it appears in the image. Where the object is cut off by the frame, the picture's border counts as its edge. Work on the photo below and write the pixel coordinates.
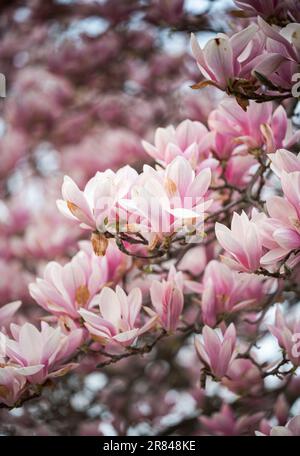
(287, 334)
(167, 300)
(46, 350)
(115, 262)
(95, 206)
(226, 423)
(239, 170)
(284, 222)
(243, 377)
(292, 428)
(269, 9)
(224, 59)
(171, 200)
(239, 132)
(7, 312)
(226, 291)
(215, 352)
(242, 242)
(189, 139)
(118, 317)
(156, 202)
(284, 160)
(284, 40)
(13, 381)
(66, 289)
(281, 61)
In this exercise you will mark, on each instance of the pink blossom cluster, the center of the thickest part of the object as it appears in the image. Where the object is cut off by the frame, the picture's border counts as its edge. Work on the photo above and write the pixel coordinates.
(165, 280)
(258, 62)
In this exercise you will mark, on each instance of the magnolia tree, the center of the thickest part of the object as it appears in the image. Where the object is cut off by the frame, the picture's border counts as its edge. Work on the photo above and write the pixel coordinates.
(170, 305)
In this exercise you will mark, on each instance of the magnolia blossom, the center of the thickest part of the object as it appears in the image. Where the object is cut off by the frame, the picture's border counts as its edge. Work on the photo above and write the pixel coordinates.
(8, 311)
(239, 170)
(282, 59)
(226, 423)
(243, 377)
(224, 59)
(284, 222)
(44, 351)
(287, 334)
(270, 8)
(189, 139)
(171, 200)
(156, 202)
(226, 291)
(239, 132)
(292, 428)
(118, 319)
(96, 206)
(13, 381)
(284, 160)
(242, 242)
(215, 352)
(66, 289)
(115, 262)
(167, 300)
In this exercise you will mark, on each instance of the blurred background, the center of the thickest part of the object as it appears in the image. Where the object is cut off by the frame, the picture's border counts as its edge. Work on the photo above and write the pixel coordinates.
(86, 80)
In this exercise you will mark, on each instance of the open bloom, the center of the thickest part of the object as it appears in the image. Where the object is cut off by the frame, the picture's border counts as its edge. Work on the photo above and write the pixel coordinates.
(282, 59)
(45, 351)
(287, 334)
(224, 59)
(189, 139)
(284, 222)
(66, 289)
(8, 311)
(239, 132)
(171, 200)
(118, 319)
(215, 352)
(156, 202)
(226, 291)
(167, 300)
(115, 262)
(284, 160)
(242, 242)
(96, 206)
(292, 428)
